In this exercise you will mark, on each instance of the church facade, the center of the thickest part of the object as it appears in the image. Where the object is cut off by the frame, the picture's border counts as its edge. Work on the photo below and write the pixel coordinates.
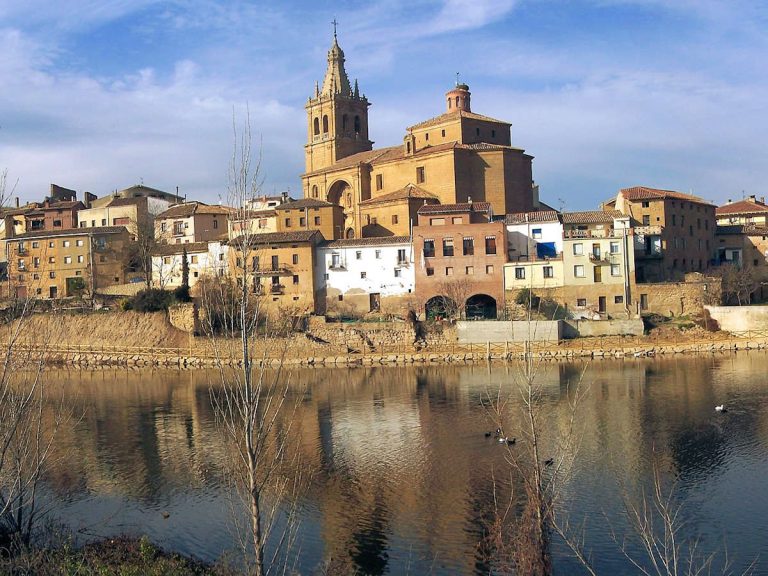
(456, 157)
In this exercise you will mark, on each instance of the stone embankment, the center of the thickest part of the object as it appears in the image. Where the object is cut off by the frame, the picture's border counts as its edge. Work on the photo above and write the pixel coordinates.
(131, 339)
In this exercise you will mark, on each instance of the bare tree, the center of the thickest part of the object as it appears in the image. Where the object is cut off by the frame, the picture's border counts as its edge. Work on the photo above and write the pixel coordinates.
(453, 296)
(251, 402)
(738, 283)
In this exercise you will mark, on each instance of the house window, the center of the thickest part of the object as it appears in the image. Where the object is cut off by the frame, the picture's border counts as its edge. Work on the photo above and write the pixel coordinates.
(519, 273)
(437, 221)
(430, 271)
(447, 246)
(420, 174)
(51, 274)
(578, 271)
(295, 259)
(489, 269)
(456, 220)
(646, 220)
(363, 275)
(378, 254)
(359, 255)
(317, 220)
(379, 181)
(193, 259)
(449, 271)
(618, 299)
(82, 224)
(80, 259)
(536, 232)
(401, 257)
(302, 221)
(162, 227)
(615, 270)
(103, 221)
(275, 263)
(394, 218)
(470, 270)
(295, 279)
(178, 228)
(614, 247)
(549, 272)
(78, 242)
(648, 204)
(443, 133)
(581, 302)
(35, 276)
(57, 223)
(37, 244)
(429, 248)
(67, 259)
(287, 222)
(335, 260)
(50, 244)
(398, 273)
(65, 243)
(490, 244)
(166, 259)
(468, 245)
(215, 224)
(51, 260)
(578, 249)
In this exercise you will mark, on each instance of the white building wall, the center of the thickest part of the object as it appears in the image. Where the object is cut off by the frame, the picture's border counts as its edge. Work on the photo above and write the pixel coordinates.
(379, 269)
(166, 270)
(521, 240)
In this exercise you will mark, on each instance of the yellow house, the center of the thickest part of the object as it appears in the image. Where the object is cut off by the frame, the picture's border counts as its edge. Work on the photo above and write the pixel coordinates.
(311, 214)
(457, 157)
(192, 222)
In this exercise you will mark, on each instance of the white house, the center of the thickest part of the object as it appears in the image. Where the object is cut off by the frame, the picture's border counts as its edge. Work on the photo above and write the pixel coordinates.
(209, 258)
(364, 275)
(534, 235)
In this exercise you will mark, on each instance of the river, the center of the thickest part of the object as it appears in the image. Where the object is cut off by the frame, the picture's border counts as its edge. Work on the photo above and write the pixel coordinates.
(402, 474)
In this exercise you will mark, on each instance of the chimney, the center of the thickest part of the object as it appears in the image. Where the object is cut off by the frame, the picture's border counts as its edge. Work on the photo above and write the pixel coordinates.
(752, 198)
(729, 201)
(284, 197)
(762, 199)
(17, 201)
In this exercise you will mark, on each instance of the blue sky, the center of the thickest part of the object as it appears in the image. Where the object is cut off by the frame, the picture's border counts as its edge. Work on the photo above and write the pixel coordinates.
(98, 95)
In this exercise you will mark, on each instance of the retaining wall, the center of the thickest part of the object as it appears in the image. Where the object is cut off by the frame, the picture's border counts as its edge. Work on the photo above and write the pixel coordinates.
(479, 331)
(739, 318)
(587, 328)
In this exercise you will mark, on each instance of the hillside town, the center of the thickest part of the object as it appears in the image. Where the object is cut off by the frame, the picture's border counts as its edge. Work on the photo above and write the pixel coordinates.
(447, 224)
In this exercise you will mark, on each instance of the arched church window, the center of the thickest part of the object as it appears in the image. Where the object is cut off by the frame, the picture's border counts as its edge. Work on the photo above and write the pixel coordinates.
(314, 191)
(449, 103)
(325, 124)
(344, 123)
(457, 101)
(408, 147)
(317, 126)
(357, 124)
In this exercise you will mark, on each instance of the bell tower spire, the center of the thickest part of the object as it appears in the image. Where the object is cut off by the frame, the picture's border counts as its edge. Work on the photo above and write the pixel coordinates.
(337, 115)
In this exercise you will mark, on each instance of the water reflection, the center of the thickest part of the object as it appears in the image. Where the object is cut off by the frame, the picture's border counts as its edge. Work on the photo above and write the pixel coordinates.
(402, 470)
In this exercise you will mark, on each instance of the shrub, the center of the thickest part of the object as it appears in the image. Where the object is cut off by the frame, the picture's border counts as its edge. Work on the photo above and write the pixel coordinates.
(152, 300)
(181, 294)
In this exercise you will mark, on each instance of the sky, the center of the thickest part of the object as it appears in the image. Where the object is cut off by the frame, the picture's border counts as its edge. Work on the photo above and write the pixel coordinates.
(99, 95)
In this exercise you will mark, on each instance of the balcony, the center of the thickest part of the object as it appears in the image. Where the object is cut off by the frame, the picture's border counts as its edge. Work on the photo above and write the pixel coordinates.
(279, 271)
(403, 263)
(276, 289)
(610, 233)
(648, 230)
(602, 258)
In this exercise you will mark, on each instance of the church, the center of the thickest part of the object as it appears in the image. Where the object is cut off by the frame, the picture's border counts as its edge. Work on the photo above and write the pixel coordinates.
(456, 157)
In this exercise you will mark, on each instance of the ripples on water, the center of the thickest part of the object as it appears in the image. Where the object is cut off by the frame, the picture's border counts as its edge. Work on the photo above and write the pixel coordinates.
(402, 476)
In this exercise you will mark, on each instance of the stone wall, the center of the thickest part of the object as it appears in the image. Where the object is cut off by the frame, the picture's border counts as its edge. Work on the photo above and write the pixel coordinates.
(184, 317)
(373, 334)
(478, 331)
(739, 318)
(678, 298)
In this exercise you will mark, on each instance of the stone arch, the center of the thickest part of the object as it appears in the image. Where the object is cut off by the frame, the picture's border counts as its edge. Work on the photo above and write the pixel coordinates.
(338, 191)
(480, 306)
(325, 124)
(316, 127)
(440, 307)
(314, 191)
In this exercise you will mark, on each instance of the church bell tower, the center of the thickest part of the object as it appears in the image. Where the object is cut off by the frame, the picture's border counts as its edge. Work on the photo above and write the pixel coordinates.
(337, 116)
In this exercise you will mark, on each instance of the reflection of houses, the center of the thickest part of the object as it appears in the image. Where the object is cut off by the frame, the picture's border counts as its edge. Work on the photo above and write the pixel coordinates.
(203, 258)
(583, 261)
(49, 264)
(192, 222)
(673, 232)
(279, 266)
(453, 156)
(460, 254)
(365, 275)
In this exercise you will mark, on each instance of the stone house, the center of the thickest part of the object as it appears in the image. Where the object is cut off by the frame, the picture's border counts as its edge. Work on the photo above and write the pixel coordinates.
(135, 213)
(311, 214)
(362, 275)
(460, 253)
(56, 264)
(674, 233)
(192, 222)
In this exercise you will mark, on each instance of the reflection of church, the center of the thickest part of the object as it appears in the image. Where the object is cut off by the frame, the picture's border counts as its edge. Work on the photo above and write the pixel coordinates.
(452, 158)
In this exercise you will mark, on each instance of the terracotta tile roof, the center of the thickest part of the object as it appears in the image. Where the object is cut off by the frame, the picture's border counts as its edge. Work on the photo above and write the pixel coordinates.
(742, 207)
(303, 203)
(168, 249)
(454, 208)
(408, 191)
(71, 232)
(644, 193)
(280, 237)
(746, 229)
(66, 205)
(456, 114)
(376, 241)
(525, 217)
(188, 209)
(591, 217)
(127, 201)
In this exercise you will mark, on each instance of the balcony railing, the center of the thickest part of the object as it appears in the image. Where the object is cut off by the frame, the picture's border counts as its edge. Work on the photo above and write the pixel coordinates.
(404, 263)
(279, 271)
(648, 230)
(609, 233)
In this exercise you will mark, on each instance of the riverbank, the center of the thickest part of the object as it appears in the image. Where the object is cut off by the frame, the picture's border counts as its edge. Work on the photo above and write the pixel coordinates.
(133, 339)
